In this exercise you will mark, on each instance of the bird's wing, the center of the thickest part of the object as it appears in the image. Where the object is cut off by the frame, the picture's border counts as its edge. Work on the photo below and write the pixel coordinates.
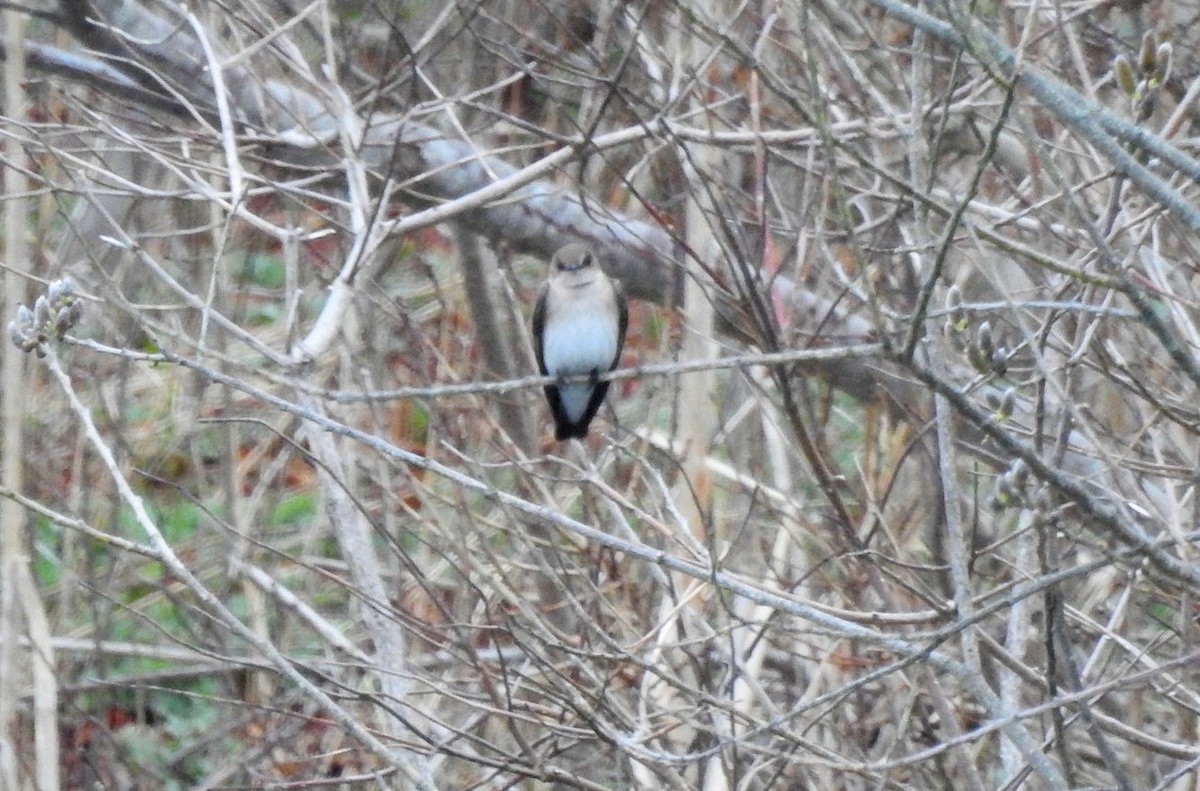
(622, 319)
(539, 325)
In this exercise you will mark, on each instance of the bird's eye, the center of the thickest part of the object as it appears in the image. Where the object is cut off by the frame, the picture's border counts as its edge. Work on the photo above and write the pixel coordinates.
(587, 260)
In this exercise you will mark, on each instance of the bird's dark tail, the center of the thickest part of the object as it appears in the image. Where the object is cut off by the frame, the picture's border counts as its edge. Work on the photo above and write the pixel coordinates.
(566, 431)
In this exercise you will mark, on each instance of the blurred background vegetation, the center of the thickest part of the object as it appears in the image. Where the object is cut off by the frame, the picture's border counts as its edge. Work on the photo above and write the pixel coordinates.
(947, 542)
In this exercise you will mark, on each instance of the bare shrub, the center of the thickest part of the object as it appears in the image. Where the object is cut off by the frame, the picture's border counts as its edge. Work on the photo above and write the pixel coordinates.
(895, 487)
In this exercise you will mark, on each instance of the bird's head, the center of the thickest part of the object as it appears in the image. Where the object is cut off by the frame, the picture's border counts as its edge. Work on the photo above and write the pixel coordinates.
(573, 258)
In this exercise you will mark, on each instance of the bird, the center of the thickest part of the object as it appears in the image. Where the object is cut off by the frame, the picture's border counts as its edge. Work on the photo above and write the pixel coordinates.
(579, 324)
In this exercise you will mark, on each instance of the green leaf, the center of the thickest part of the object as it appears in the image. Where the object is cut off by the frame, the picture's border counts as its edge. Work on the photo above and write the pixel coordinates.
(47, 562)
(298, 509)
(264, 270)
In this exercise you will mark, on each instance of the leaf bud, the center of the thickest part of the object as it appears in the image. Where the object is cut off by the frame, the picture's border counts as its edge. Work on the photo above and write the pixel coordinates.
(1162, 63)
(1123, 73)
(983, 339)
(1147, 52)
(42, 315)
(1007, 403)
(958, 317)
(999, 361)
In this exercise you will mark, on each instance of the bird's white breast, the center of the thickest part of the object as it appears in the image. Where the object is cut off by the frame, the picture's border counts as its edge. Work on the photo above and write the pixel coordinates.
(579, 342)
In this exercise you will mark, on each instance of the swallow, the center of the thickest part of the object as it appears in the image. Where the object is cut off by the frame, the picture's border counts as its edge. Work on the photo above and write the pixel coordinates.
(579, 325)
